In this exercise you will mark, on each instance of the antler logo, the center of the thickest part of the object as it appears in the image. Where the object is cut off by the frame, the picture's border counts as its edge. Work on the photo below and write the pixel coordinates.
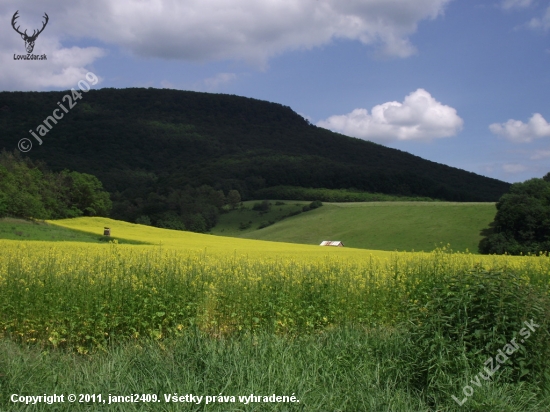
(29, 40)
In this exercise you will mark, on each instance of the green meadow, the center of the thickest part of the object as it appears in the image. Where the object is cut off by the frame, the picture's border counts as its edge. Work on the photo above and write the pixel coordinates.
(401, 226)
(26, 230)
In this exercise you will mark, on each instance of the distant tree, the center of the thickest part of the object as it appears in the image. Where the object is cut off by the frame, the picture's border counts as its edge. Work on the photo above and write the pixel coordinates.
(87, 195)
(196, 223)
(233, 198)
(522, 221)
(210, 215)
(144, 220)
(171, 220)
(217, 198)
(547, 177)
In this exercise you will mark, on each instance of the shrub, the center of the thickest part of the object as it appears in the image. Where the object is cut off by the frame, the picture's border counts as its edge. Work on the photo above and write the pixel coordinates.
(244, 225)
(264, 206)
(315, 204)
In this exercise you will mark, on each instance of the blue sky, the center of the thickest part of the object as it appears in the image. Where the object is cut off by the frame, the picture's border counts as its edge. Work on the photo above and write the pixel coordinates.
(460, 82)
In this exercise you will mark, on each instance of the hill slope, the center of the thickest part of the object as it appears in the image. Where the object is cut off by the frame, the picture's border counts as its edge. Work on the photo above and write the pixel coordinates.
(181, 241)
(143, 141)
(402, 226)
(27, 230)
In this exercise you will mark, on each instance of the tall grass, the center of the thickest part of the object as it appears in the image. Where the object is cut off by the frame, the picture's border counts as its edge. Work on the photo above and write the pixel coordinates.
(345, 369)
(446, 313)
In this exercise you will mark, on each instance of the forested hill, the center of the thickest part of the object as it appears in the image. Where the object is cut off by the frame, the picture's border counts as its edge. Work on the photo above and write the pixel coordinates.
(141, 141)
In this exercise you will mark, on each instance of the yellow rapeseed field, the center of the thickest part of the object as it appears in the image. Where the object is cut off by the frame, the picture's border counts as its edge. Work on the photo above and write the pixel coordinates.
(87, 295)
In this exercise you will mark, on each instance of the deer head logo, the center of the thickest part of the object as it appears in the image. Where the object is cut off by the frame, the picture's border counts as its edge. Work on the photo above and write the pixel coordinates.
(29, 40)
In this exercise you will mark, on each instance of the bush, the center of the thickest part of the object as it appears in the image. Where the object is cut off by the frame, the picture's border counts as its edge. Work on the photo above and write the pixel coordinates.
(264, 206)
(315, 204)
(244, 225)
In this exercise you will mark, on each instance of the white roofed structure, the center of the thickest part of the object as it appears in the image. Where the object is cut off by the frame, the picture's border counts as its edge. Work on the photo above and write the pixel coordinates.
(332, 243)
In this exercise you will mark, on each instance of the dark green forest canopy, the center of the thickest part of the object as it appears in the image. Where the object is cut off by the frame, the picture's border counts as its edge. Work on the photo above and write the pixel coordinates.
(141, 141)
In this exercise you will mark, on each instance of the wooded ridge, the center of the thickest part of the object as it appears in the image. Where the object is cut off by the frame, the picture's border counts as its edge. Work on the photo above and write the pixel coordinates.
(144, 144)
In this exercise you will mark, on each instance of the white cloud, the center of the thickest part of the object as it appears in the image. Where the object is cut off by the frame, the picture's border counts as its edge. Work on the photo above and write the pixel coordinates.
(419, 117)
(519, 132)
(542, 23)
(62, 69)
(513, 168)
(511, 4)
(251, 30)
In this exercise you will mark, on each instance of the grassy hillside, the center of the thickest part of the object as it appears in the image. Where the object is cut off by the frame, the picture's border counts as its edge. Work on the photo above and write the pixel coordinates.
(20, 229)
(402, 226)
(209, 244)
(389, 226)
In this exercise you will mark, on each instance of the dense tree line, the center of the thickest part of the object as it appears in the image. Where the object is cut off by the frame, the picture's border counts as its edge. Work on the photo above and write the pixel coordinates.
(193, 209)
(30, 190)
(522, 221)
(330, 195)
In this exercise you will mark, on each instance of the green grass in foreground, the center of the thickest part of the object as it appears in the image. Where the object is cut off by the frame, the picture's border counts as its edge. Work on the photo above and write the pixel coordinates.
(21, 229)
(402, 226)
(339, 370)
